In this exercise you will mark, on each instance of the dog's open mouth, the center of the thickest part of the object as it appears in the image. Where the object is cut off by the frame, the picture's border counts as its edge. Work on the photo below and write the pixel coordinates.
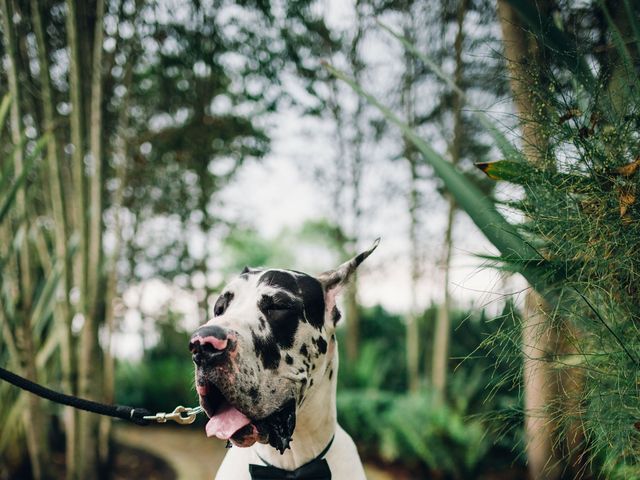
(228, 423)
(225, 421)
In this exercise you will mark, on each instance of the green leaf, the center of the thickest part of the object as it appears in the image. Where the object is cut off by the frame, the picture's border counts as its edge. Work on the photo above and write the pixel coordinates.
(525, 174)
(477, 205)
(10, 422)
(4, 109)
(46, 299)
(7, 200)
(515, 172)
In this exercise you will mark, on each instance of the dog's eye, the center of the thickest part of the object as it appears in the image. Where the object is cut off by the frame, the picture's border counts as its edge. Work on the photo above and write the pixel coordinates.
(222, 303)
(276, 303)
(277, 308)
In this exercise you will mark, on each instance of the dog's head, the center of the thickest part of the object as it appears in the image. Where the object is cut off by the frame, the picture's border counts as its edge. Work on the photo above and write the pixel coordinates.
(268, 345)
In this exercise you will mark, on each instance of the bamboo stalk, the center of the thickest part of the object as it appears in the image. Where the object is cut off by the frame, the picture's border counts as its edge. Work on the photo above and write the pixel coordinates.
(58, 210)
(95, 142)
(80, 457)
(120, 154)
(77, 157)
(32, 418)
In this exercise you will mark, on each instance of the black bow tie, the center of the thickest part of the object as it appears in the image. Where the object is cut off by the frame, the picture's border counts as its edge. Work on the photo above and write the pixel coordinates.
(316, 469)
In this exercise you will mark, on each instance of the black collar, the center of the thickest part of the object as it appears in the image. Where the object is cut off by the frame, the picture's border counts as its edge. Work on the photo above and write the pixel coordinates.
(316, 469)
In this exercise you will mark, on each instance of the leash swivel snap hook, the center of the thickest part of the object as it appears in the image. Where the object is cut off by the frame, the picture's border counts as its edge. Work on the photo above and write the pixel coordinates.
(177, 415)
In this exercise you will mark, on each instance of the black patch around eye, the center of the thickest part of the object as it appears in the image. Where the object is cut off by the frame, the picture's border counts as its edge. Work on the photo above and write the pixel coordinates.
(284, 325)
(313, 299)
(267, 351)
(222, 303)
(283, 316)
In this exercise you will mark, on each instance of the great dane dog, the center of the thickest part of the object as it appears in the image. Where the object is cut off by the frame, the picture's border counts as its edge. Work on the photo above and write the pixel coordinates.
(266, 368)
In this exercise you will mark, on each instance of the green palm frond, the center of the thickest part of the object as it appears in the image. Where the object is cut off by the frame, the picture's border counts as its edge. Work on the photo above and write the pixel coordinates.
(468, 196)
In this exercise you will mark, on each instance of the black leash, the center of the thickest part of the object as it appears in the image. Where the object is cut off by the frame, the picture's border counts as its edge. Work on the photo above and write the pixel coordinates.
(139, 416)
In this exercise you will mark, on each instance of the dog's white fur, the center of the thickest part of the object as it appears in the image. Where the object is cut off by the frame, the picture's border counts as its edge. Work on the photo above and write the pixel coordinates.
(315, 426)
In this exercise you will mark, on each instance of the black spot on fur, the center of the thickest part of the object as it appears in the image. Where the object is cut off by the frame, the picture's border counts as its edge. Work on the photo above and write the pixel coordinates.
(304, 351)
(330, 374)
(253, 393)
(267, 351)
(311, 383)
(322, 345)
(335, 315)
(245, 270)
(222, 303)
(280, 279)
(288, 359)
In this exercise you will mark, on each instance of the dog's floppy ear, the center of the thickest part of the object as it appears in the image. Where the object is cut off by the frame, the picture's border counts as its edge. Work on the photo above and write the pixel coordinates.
(334, 280)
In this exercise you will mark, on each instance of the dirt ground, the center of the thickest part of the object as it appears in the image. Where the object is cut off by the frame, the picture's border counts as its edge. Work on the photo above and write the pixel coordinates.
(188, 451)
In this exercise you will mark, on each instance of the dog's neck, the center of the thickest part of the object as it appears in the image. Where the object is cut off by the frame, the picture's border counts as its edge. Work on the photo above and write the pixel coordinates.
(316, 422)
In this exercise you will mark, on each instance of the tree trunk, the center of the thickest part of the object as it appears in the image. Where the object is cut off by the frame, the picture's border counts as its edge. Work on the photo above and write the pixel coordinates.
(408, 104)
(539, 338)
(351, 295)
(413, 334)
(443, 321)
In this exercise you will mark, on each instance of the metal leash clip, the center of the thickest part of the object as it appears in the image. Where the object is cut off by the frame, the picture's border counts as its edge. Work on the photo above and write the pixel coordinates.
(177, 415)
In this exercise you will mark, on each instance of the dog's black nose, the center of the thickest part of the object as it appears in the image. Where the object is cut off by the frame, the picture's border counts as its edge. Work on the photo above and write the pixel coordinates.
(208, 344)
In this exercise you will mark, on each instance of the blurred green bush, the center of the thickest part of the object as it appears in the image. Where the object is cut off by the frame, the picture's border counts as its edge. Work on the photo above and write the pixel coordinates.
(163, 377)
(476, 429)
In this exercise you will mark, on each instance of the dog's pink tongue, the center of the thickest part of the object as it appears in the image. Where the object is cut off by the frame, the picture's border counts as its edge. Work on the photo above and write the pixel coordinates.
(226, 422)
